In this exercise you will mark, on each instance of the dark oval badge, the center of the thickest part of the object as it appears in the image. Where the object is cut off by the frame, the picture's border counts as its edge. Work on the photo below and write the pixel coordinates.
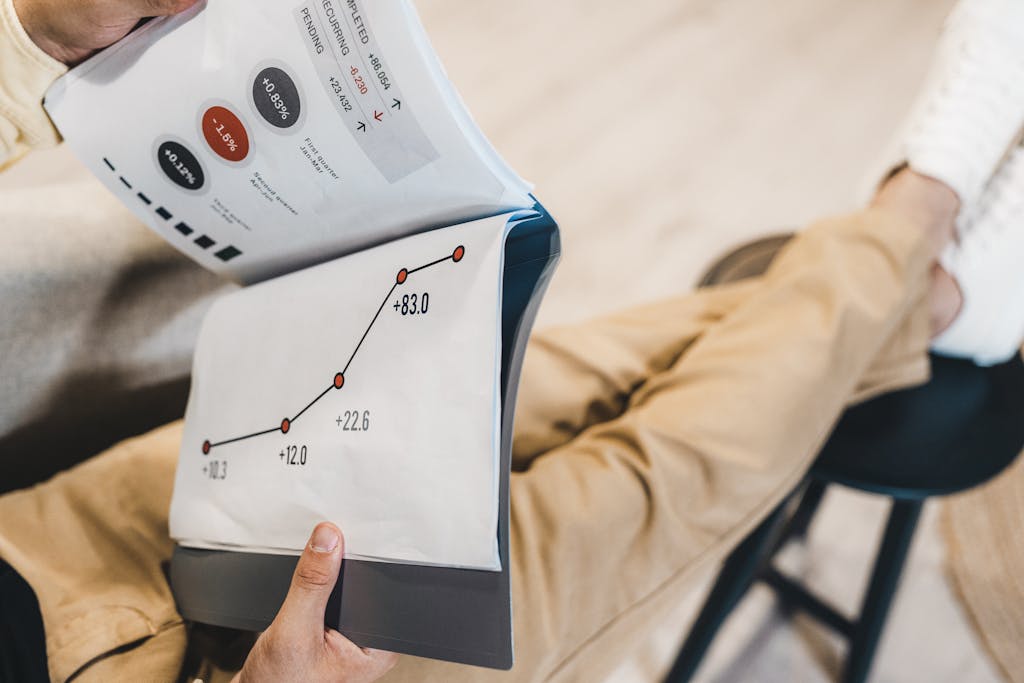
(276, 97)
(180, 165)
(225, 133)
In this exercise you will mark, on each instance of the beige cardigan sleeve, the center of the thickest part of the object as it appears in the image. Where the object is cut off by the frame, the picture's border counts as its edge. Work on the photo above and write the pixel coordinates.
(25, 74)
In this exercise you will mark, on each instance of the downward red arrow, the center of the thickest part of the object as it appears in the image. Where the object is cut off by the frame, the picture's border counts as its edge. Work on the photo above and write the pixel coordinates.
(377, 114)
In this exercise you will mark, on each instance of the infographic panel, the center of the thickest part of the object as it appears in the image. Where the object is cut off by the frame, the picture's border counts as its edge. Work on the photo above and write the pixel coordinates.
(357, 79)
(260, 136)
(364, 391)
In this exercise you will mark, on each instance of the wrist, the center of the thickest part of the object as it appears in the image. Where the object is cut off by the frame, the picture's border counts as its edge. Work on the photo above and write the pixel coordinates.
(34, 21)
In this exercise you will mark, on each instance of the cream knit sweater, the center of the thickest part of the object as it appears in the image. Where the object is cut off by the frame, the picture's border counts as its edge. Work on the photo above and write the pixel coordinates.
(25, 74)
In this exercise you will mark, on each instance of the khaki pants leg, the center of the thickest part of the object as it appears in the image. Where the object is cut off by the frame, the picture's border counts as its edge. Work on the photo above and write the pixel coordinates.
(647, 445)
(91, 542)
(610, 527)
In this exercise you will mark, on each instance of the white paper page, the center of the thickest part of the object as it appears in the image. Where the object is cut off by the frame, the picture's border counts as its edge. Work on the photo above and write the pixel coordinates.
(337, 393)
(261, 136)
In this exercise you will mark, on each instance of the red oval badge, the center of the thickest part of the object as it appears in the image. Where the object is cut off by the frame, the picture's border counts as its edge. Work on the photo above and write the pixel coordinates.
(225, 134)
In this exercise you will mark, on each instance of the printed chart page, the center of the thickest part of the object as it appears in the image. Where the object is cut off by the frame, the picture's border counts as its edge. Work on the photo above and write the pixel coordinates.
(364, 391)
(260, 136)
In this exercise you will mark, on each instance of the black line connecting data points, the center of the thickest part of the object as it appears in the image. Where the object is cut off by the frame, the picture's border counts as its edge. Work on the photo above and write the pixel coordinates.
(338, 381)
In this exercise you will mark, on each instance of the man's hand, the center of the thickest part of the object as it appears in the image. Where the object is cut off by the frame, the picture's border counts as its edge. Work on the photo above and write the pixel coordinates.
(71, 31)
(297, 646)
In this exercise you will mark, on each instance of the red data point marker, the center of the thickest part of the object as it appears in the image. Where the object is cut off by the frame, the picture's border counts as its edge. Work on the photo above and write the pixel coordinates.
(339, 381)
(459, 252)
(403, 274)
(206, 448)
(285, 424)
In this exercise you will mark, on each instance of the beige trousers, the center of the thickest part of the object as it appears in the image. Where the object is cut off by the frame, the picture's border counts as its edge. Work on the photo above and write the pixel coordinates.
(648, 444)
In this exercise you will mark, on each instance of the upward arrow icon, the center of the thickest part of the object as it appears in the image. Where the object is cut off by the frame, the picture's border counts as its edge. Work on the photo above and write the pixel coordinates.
(396, 105)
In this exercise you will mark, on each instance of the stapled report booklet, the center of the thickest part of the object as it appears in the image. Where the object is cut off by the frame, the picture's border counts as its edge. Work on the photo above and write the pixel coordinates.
(316, 152)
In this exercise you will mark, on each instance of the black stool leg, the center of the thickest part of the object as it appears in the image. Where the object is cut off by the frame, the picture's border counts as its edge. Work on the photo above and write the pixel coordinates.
(899, 532)
(739, 571)
(801, 519)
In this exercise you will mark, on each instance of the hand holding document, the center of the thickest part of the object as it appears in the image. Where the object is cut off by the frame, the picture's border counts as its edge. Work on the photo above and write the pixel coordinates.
(316, 152)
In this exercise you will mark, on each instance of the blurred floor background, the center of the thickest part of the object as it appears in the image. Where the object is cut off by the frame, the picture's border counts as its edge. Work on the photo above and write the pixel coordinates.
(660, 134)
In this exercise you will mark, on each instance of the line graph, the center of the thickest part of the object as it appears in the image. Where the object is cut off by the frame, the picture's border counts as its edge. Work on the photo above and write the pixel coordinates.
(338, 380)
